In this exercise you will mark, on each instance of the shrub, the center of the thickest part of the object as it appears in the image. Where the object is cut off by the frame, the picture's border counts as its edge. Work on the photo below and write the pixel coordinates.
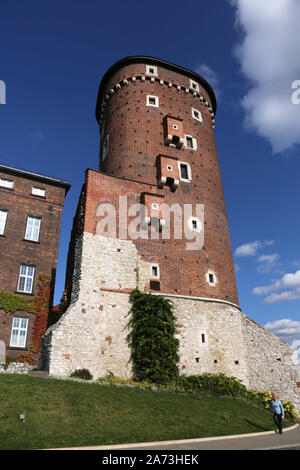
(154, 348)
(83, 374)
(213, 384)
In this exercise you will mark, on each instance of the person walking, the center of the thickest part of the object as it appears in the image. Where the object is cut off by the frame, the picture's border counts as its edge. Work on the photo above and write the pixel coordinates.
(278, 412)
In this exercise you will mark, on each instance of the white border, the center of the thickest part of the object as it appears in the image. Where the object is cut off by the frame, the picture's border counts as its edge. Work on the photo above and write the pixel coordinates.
(197, 118)
(156, 105)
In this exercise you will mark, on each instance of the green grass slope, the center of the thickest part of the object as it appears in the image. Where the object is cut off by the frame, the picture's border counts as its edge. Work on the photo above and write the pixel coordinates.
(69, 413)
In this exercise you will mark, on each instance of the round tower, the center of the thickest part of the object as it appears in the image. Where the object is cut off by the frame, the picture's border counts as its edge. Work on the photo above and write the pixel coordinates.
(156, 122)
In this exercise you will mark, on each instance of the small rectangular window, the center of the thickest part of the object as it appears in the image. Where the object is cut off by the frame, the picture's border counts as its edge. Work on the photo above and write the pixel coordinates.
(151, 70)
(32, 232)
(26, 275)
(203, 338)
(190, 142)
(184, 171)
(3, 217)
(211, 278)
(154, 271)
(154, 206)
(194, 85)
(9, 184)
(19, 332)
(152, 101)
(105, 147)
(38, 191)
(196, 114)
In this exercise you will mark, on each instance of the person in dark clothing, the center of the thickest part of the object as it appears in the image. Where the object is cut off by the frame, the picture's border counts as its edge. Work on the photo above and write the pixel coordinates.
(278, 412)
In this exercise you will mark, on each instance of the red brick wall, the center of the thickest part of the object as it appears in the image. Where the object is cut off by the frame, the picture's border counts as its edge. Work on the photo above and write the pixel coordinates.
(14, 249)
(136, 139)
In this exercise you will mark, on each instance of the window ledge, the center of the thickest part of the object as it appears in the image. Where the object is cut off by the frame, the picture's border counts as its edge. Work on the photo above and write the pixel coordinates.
(24, 293)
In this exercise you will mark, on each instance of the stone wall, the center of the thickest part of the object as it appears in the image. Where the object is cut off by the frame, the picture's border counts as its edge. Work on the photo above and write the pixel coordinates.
(215, 336)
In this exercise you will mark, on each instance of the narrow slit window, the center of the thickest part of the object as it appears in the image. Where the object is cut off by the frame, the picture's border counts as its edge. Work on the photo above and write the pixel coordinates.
(189, 142)
(183, 171)
(105, 148)
(203, 338)
(155, 271)
(211, 278)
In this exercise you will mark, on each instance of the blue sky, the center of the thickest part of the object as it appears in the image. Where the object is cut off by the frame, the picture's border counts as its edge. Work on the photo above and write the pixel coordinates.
(53, 55)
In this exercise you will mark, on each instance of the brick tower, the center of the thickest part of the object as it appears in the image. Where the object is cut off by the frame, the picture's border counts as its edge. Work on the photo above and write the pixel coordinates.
(156, 122)
(158, 153)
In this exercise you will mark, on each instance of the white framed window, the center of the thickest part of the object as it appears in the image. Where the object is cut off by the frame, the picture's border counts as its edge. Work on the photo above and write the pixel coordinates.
(38, 191)
(190, 142)
(151, 70)
(185, 172)
(154, 206)
(33, 229)
(175, 127)
(211, 278)
(25, 282)
(3, 217)
(196, 114)
(169, 167)
(152, 101)
(194, 224)
(194, 85)
(154, 271)
(19, 332)
(6, 183)
(105, 147)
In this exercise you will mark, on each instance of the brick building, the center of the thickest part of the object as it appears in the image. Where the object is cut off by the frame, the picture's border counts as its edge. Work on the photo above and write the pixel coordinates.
(31, 208)
(153, 216)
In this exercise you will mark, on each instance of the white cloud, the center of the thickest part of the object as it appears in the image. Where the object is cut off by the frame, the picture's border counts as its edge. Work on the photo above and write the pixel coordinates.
(288, 330)
(251, 248)
(283, 297)
(269, 58)
(210, 75)
(266, 263)
(284, 327)
(288, 281)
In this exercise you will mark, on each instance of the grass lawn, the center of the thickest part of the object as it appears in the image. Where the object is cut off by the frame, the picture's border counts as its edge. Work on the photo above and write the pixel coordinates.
(62, 413)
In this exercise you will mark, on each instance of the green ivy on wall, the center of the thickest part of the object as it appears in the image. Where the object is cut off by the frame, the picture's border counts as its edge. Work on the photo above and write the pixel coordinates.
(39, 306)
(11, 303)
(154, 348)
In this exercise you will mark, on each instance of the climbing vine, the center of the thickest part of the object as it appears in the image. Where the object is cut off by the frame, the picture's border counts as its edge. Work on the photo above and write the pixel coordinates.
(39, 306)
(41, 302)
(11, 303)
(154, 348)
